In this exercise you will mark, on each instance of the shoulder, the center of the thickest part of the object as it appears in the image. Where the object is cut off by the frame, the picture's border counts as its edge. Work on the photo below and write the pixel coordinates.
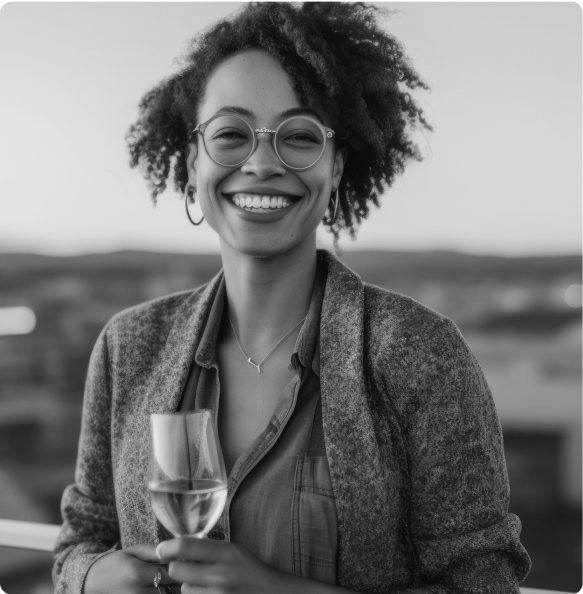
(411, 342)
(392, 316)
(156, 316)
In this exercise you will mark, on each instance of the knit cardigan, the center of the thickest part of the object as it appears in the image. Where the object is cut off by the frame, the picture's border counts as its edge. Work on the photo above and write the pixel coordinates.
(411, 432)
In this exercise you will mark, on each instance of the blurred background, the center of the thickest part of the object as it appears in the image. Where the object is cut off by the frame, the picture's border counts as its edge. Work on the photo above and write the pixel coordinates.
(486, 230)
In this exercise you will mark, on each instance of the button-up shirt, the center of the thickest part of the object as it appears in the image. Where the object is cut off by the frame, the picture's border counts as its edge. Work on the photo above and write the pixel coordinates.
(280, 504)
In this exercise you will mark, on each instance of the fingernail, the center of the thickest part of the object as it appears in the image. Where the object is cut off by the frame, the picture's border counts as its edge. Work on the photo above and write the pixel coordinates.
(158, 551)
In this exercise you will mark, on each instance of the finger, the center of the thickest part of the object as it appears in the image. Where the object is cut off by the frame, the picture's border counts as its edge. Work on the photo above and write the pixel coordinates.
(145, 551)
(192, 573)
(189, 548)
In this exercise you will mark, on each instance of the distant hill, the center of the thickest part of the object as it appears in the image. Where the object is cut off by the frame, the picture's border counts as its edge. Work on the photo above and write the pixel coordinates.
(14, 263)
(366, 263)
(436, 263)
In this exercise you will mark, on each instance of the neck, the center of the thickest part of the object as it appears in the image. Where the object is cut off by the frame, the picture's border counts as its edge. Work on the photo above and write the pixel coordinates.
(267, 297)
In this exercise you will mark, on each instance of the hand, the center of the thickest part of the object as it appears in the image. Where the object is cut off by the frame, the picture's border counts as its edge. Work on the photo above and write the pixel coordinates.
(217, 567)
(131, 571)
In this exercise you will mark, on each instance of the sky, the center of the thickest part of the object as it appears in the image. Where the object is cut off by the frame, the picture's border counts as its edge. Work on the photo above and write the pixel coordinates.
(502, 170)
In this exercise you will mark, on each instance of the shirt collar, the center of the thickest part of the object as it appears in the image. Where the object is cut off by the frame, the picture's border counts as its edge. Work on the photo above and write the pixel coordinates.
(307, 343)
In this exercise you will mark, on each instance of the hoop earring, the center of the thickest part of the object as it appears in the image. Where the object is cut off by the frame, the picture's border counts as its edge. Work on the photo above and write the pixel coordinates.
(331, 220)
(186, 198)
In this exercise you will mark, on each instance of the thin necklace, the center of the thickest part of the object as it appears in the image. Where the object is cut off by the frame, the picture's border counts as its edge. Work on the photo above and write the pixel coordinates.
(258, 365)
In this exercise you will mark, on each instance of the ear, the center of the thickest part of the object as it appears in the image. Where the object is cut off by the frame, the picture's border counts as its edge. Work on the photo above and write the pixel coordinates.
(339, 160)
(190, 163)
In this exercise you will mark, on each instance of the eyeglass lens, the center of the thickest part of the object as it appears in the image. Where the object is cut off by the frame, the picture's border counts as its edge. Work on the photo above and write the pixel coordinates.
(299, 142)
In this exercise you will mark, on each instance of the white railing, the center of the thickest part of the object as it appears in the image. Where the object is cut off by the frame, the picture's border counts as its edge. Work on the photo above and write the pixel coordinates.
(28, 535)
(41, 537)
(537, 591)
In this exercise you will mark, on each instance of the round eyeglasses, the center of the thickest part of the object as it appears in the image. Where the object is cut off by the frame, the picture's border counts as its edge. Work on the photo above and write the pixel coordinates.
(229, 140)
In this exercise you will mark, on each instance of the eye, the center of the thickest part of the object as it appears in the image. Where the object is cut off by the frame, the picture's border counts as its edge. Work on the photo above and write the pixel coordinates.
(229, 134)
(301, 138)
(226, 138)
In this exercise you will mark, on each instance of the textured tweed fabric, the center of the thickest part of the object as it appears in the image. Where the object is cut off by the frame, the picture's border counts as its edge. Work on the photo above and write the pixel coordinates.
(412, 438)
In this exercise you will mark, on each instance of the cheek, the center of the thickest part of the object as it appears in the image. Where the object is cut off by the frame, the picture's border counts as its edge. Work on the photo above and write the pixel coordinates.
(206, 194)
(208, 180)
(319, 182)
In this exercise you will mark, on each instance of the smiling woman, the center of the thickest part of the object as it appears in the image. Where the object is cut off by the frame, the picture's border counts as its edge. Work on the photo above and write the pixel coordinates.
(360, 439)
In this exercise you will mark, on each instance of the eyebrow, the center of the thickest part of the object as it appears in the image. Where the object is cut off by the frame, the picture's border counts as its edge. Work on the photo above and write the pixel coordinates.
(236, 110)
(294, 111)
(302, 111)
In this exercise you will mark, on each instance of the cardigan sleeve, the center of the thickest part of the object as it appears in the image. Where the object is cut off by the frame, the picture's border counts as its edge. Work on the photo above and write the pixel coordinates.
(462, 536)
(90, 526)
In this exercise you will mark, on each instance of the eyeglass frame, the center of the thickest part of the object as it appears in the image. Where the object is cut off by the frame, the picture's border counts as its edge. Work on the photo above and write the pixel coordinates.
(327, 133)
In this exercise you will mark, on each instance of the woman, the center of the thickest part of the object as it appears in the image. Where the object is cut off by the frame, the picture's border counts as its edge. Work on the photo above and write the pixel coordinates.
(361, 441)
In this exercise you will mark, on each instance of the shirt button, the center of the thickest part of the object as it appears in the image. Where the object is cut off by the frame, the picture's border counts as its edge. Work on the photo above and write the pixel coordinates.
(217, 535)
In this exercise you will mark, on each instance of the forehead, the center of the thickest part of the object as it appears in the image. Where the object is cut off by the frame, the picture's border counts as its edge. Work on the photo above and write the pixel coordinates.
(253, 80)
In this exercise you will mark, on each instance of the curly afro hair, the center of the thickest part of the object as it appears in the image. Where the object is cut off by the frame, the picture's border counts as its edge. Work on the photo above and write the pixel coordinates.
(336, 56)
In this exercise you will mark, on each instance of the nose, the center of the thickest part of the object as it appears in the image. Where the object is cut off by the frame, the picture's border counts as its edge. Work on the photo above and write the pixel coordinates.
(264, 161)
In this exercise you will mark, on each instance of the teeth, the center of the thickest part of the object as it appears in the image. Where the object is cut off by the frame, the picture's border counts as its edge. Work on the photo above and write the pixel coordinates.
(260, 202)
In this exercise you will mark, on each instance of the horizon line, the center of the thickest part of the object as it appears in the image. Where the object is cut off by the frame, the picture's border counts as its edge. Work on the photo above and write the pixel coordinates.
(343, 252)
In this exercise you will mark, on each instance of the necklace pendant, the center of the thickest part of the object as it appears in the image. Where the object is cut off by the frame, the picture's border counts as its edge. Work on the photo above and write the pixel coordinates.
(254, 365)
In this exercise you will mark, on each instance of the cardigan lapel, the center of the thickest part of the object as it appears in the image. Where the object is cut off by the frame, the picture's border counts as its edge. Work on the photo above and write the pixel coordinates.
(351, 446)
(179, 350)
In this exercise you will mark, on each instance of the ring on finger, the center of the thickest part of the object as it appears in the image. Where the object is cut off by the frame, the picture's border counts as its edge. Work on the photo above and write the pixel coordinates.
(158, 579)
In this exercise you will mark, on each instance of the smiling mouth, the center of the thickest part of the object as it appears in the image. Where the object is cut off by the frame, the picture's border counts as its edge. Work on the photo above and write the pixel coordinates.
(261, 202)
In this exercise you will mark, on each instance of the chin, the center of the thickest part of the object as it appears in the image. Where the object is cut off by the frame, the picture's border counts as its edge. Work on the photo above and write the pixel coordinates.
(261, 251)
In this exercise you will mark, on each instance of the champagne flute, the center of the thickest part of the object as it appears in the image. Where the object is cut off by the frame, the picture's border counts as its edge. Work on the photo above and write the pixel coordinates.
(186, 478)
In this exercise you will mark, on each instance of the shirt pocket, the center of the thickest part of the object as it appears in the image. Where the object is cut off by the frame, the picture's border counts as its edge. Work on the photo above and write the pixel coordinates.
(314, 521)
